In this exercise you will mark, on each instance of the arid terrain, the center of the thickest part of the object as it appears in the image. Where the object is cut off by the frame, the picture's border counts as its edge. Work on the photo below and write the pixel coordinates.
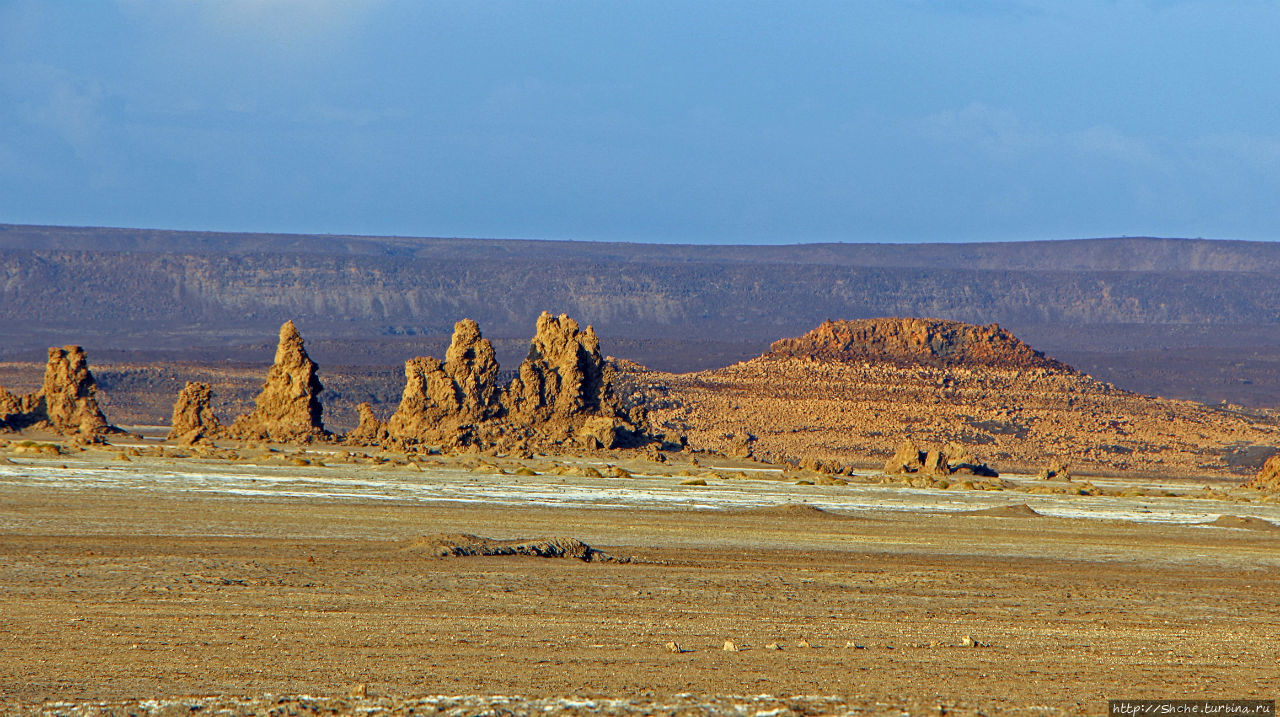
(159, 582)
(1178, 318)
(549, 531)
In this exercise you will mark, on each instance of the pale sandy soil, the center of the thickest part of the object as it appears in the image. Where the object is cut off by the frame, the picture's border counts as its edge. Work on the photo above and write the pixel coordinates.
(116, 593)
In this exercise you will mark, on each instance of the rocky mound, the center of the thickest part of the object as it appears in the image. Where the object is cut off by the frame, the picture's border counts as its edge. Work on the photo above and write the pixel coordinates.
(193, 418)
(563, 394)
(288, 408)
(929, 342)
(66, 403)
(795, 511)
(445, 545)
(1243, 522)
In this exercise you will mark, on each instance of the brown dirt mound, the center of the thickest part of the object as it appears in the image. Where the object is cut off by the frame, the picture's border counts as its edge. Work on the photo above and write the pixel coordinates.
(1248, 523)
(445, 545)
(794, 510)
(932, 342)
(1021, 510)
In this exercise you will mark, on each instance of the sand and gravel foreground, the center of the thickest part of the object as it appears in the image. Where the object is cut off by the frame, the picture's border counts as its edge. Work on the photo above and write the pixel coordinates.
(121, 601)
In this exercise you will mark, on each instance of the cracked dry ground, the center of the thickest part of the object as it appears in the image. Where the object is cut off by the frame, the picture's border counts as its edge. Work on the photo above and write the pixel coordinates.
(115, 596)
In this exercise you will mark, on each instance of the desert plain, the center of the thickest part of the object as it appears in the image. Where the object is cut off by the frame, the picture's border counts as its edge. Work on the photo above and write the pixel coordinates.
(139, 578)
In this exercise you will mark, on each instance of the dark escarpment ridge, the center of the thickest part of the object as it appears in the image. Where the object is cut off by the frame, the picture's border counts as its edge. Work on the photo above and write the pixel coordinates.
(1152, 315)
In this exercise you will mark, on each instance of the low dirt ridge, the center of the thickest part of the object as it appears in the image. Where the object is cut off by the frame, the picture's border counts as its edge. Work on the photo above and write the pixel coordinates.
(1009, 408)
(908, 342)
(444, 545)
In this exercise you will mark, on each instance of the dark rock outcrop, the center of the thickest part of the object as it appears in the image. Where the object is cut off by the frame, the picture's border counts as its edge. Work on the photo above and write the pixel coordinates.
(288, 408)
(193, 417)
(931, 342)
(67, 402)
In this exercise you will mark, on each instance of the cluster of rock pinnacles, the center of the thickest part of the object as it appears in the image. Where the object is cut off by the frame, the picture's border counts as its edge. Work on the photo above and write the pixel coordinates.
(66, 403)
(562, 394)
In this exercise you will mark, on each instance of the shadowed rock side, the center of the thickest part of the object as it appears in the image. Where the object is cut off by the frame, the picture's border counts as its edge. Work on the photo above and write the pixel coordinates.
(193, 418)
(562, 394)
(931, 342)
(1268, 477)
(288, 408)
(66, 403)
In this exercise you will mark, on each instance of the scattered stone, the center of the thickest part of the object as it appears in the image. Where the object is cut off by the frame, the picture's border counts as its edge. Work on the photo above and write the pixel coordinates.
(694, 481)
(772, 646)
(674, 647)
(730, 646)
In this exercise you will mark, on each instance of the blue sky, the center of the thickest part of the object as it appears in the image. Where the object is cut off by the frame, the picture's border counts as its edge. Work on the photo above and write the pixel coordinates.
(699, 121)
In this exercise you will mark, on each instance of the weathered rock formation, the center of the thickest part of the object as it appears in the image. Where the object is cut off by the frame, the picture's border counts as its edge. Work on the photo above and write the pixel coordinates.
(66, 403)
(907, 459)
(931, 342)
(193, 418)
(564, 387)
(371, 431)
(562, 394)
(1268, 477)
(443, 402)
(288, 408)
(1058, 470)
(952, 458)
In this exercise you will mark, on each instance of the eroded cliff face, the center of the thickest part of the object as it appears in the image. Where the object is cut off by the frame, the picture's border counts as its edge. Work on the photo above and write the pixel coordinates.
(193, 417)
(928, 342)
(561, 395)
(67, 402)
(288, 409)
